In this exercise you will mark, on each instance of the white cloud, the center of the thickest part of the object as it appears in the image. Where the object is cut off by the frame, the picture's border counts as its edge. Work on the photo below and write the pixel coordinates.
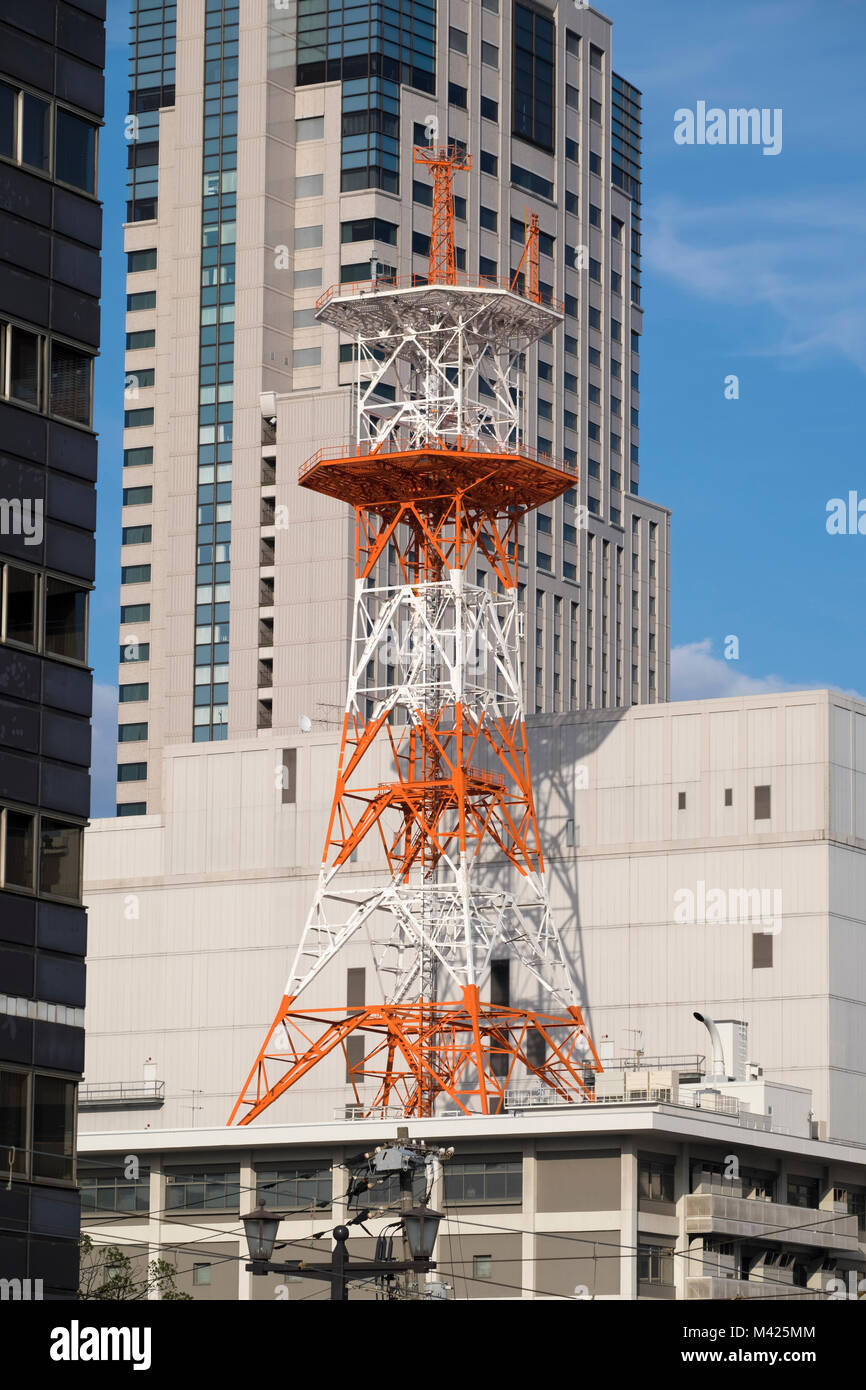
(698, 675)
(782, 256)
(103, 795)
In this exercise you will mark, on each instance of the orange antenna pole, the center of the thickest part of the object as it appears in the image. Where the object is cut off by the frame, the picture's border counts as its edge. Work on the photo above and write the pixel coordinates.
(444, 161)
(529, 259)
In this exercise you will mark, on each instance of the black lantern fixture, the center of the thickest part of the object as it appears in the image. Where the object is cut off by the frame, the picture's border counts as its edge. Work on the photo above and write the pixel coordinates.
(260, 1229)
(422, 1227)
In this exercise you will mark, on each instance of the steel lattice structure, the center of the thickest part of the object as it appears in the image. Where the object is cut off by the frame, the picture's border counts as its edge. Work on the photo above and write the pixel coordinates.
(439, 479)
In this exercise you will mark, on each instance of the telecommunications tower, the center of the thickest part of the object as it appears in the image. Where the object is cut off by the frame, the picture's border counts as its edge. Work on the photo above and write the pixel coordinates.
(439, 478)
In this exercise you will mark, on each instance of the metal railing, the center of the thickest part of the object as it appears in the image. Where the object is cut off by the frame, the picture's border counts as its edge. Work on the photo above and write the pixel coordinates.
(353, 289)
(121, 1093)
(680, 1062)
(397, 445)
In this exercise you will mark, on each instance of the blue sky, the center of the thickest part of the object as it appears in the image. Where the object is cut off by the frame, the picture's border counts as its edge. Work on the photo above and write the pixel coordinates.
(754, 267)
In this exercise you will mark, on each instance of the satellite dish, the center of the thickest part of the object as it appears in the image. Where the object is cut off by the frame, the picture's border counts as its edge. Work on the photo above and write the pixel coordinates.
(305, 723)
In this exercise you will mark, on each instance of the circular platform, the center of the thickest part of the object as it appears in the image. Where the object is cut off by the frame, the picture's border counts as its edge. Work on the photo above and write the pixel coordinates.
(493, 481)
(489, 310)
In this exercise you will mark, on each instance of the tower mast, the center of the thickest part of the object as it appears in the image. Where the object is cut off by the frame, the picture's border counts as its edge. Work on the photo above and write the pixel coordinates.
(440, 479)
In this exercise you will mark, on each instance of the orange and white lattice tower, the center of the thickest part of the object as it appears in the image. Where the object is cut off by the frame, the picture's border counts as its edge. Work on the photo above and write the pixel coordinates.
(440, 478)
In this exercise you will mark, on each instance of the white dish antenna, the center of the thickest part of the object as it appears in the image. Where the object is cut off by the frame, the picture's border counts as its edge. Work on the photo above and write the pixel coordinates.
(305, 723)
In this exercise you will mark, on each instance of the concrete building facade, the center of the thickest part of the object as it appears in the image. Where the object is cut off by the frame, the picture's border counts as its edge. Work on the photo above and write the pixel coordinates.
(270, 157)
(700, 856)
(51, 101)
(638, 1200)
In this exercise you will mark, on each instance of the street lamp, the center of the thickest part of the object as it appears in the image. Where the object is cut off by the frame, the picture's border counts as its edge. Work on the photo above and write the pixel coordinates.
(260, 1229)
(422, 1226)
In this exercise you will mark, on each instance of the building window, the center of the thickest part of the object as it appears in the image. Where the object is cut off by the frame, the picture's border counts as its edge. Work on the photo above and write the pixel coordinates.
(533, 77)
(144, 338)
(44, 613)
(309, 128)
(132, 772)
(40, 854)
(140, 260)
(482, 1266)
(457, 95)
(762, 803)
(656, 1179)
(201, 1274)
(129, 694)
(66, 390)
(489, 54)
(25, 137)
(369, 229)
(533, 183)
(108, 1191)
(484, 1181)
(308, 238)
(489, 109)
(135, 574)
(144, 299)
(803, 1192)
(308, 186)
(136, 535)
(681, 801)
(456, 39)
(655, 1264)
(729, 796)
(489, 163)
(203, 1189)
(131, 733)
(306, 357)
(137, 496)
(295, 1186)
(131, 808)
(762, 950)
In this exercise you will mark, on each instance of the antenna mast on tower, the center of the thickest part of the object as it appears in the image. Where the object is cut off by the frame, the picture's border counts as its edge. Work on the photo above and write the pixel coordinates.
(440, 481)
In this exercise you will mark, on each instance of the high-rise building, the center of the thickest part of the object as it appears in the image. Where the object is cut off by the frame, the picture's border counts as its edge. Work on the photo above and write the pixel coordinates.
(270, 157)
(51, 86)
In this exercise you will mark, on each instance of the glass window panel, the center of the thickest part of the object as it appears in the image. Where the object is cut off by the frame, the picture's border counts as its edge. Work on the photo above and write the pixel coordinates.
(7, 120)
(75, 151)
(70, 383)
(20, 844)
(35, 132)
(24, 366)
(21, 606)
(60, 859)
(13, 1119)
(53, 1126)
(65, 619)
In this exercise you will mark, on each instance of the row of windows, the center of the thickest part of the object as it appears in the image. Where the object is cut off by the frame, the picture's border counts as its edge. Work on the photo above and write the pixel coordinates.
(43, 135)
(41, 854)
(37, 1125)
(43, 613)
(763, 794)
(45, 374)
(296, 1187)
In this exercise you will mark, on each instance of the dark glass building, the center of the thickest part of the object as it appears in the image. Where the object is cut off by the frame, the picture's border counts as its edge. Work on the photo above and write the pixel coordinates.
(51, 102)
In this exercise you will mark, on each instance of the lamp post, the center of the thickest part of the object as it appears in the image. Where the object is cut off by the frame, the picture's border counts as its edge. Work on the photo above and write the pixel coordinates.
(420, 1224)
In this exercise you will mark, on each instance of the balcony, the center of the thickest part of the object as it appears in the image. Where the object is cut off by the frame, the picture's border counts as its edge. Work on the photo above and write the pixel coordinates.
(114, 1095)
(771, 1223)
(713, 1286)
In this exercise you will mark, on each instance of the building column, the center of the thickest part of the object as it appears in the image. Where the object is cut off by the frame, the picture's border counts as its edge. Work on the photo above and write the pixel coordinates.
(248, 1203)
(156, 1204)
(683, 1267)
(530, 1207)
(628, 1211)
